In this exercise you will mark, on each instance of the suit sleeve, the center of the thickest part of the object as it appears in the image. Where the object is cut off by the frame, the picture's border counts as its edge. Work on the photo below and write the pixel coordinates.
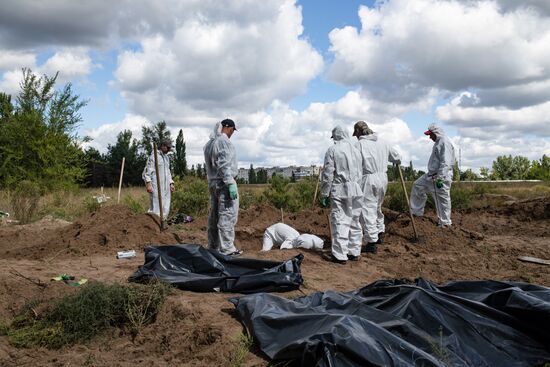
(149, 170)
(328, 174)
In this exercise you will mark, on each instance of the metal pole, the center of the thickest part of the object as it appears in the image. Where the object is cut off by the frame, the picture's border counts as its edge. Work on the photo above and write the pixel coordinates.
(408, 203)
(120, 180)
(158, 186)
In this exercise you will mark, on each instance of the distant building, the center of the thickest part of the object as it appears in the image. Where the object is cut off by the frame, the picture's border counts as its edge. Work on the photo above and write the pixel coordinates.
(299, 172)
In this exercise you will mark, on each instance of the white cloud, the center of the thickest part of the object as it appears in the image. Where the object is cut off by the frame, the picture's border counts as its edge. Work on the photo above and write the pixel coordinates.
(71, 64)
(220, 63)
(404, 48)
(106, 134)
(10, 60)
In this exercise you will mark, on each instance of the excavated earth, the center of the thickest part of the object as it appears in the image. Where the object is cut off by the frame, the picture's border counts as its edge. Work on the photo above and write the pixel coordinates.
(198, 329)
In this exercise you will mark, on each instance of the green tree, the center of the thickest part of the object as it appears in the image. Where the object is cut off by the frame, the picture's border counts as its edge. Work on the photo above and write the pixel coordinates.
(135, 161)
(37, 134)
(510, 168)
(261, 176)
(484, 173)
(251, 175)
(96, 168)
(540, 169)
(469, 175)
(154, 134)
(180, 161)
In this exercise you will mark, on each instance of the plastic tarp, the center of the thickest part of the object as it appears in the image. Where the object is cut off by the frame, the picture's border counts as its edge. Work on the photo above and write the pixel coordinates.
(196, 268)
(395, 323)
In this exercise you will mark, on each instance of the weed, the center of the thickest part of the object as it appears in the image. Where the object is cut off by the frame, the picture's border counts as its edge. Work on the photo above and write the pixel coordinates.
(25, 199)
(460, 198)
(91, 204)
(81, 316)
(245, 342)
(439, 350)
(191, 196)
(137, 206)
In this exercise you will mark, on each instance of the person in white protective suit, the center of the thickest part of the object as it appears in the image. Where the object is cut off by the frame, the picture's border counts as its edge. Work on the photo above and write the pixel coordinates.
(341, 183)
(286, 237)
(438, 179)
(375, 155)
(165, 176)
(221, 169)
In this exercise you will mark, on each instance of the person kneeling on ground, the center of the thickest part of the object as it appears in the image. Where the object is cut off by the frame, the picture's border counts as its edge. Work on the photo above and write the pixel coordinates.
(375, 155)
(341, 186)
(438, 179)
(287, 237)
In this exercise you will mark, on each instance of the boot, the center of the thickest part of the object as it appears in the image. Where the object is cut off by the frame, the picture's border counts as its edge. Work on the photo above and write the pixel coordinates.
(381, 236)
(369, 248)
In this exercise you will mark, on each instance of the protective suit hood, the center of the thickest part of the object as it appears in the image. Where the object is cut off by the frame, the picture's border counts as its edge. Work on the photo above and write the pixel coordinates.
(373, 137)
(436, 129)
(338, 133)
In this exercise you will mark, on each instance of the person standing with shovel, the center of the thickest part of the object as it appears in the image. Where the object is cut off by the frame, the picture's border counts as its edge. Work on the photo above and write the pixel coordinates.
(165, 186)
(438, 179)
(375, 155)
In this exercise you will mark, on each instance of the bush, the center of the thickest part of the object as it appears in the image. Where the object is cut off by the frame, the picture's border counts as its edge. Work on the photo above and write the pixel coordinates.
(137, 206)
(191, 196)
(279, 194)
(304, 190)
(81, 316)
(460, 198)
(249, 198)
(25, 199)
(91, 204)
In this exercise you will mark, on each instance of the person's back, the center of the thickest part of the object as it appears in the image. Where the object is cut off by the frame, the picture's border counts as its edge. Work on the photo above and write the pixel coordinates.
(375, 157)
(341, 183)
(342, 176)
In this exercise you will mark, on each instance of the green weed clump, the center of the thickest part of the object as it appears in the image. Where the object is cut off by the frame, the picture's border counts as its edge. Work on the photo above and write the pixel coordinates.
(137, 206)
(191, 196)
(461, 198)
(79, 317)
(25, 199)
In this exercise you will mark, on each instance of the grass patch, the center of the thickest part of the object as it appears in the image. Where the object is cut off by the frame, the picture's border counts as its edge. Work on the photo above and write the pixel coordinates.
(79, 317)
(244, 343)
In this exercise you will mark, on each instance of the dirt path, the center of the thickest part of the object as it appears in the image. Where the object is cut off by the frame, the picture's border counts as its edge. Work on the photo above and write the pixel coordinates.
(197, 329)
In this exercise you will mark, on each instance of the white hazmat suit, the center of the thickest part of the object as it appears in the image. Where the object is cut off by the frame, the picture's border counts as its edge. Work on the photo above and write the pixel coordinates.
(440, 165)
(221, 168)
(341, 181)
(149, 176)
(375, 156)
(286, 237)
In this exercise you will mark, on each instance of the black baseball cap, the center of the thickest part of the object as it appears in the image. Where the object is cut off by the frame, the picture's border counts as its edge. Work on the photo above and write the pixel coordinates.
(229, 123)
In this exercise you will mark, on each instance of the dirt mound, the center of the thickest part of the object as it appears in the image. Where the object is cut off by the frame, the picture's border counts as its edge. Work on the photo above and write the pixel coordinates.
(537, 209)
(112, 228)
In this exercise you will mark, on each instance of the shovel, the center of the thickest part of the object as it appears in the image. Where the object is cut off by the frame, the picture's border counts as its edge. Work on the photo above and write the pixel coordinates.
(408, 203)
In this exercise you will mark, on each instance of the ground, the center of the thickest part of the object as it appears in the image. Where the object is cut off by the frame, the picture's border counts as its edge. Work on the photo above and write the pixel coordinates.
(199, 329)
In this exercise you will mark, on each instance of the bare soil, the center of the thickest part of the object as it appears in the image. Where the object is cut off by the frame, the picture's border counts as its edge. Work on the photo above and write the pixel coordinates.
(195, 329)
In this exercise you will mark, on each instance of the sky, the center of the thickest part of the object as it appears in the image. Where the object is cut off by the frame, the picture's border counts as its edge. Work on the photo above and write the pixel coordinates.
(288, 71)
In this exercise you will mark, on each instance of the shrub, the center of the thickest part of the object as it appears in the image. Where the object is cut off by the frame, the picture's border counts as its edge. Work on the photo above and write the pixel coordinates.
(91, 204)
(279, 194)
(304, 190)
(191, 196)
(137, 206)
(81, 316)
(25, 199)
(460, 198)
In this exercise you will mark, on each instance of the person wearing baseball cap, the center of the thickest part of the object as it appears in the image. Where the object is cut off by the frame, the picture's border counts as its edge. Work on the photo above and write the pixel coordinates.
(437, 181)
(165, 178)
(221, 168)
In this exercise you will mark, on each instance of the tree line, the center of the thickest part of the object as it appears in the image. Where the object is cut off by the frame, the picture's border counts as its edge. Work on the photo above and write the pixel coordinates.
(39, 143)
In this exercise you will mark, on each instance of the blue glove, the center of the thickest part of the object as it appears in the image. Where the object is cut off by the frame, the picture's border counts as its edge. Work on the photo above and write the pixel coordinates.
(439, 183)
(233, 191)
(325, 202)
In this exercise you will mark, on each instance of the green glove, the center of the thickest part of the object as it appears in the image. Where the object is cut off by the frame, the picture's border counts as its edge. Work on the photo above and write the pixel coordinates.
(439, 183)
(325, 202)
(233, 191)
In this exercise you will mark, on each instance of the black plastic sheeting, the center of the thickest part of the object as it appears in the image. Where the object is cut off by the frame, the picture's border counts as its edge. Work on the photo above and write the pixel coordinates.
(196, 268)
(394, 323)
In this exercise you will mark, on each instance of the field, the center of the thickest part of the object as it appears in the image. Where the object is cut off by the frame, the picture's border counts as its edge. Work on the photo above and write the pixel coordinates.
(494, 225)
